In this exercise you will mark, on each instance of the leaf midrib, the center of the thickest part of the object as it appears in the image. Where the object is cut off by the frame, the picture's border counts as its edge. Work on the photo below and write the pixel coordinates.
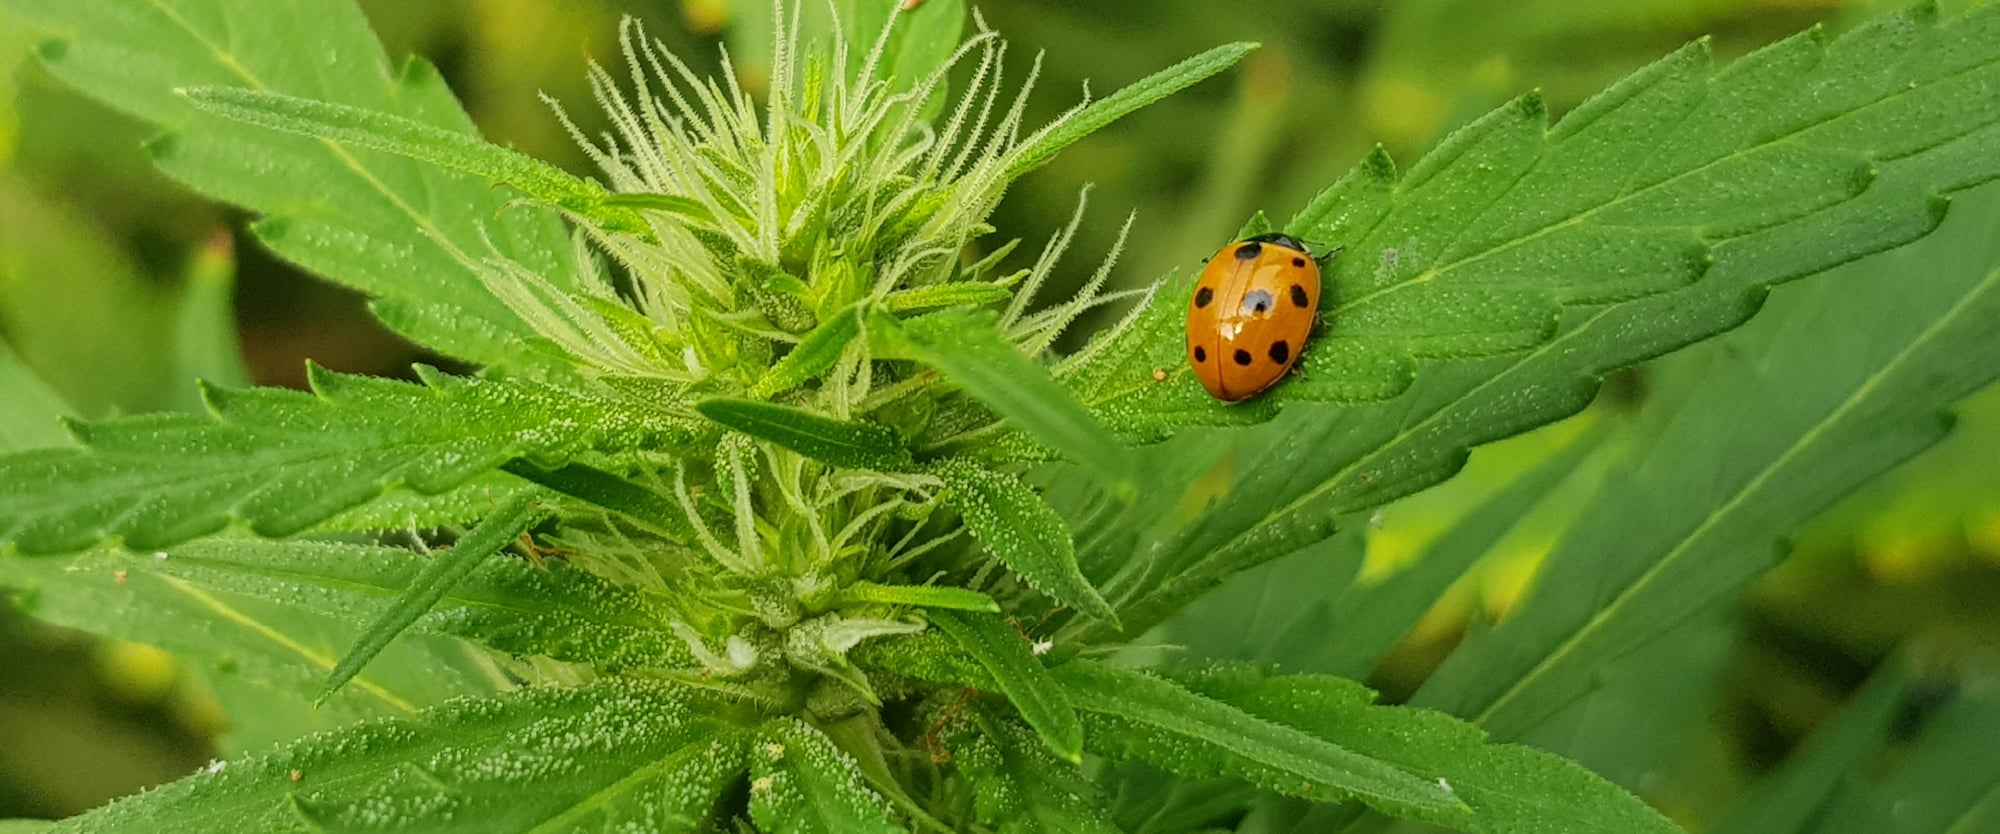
(1854, 400)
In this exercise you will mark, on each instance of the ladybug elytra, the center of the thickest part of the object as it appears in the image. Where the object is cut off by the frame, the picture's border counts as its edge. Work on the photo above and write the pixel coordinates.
(1253, 309)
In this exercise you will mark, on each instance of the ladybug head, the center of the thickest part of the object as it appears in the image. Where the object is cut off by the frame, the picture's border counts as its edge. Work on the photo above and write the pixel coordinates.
(1289, 242)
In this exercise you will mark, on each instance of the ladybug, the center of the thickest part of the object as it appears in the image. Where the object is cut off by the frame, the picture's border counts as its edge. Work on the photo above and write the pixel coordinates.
(1252, 311)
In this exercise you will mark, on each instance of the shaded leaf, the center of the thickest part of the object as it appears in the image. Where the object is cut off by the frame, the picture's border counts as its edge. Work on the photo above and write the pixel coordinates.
(1786, 801)
(636, 503)
(1134, 715)
(1007, 656)
(843, 443)
(1948, 783)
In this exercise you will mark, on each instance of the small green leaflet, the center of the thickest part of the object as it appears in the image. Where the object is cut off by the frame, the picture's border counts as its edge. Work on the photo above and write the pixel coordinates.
(601, 756)
(801, 784)
(968, 349)
(939, 296)
(1508, 788)
(1038, 148)
(1134, 715)
(839, 442)
(1018, 787)
(921, 596)
(638, 504)
(439, 576)
(282, 461)
(814, 355)
(1010, 520)
(1007, 655)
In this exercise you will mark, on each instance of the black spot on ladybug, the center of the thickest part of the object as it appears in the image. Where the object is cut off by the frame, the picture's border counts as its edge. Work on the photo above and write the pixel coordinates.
(1249, 250)
(1299, 296)
(1280, 352)
(1242, 356)
(1257, 302)
(1203, 296)
(1199, 354)
(1299, 262)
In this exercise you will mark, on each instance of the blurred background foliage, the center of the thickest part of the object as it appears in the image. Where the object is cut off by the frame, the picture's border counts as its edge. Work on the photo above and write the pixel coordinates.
(119, 288)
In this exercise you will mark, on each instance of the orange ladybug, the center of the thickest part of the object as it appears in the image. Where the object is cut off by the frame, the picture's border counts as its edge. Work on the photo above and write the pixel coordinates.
(1252, 311)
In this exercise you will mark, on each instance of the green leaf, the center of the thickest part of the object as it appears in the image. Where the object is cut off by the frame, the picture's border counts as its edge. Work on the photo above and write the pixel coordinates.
(813, 355)
(1006, 655)
(1045, 143)
(602, 756)
(1015, 526)
(842, 443)
(456, 150)
(921, 596)
(1371, 617)
(282, 461)
(1134, 715)
(31, 415)
(261, 650)
(802, 784)
(1809, 412)
(969, 350)
(439, 576)
(1787, 801)
(1510, 789)
(1760, 166)
(1018, 788)
(375, 222)
(25, 826)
